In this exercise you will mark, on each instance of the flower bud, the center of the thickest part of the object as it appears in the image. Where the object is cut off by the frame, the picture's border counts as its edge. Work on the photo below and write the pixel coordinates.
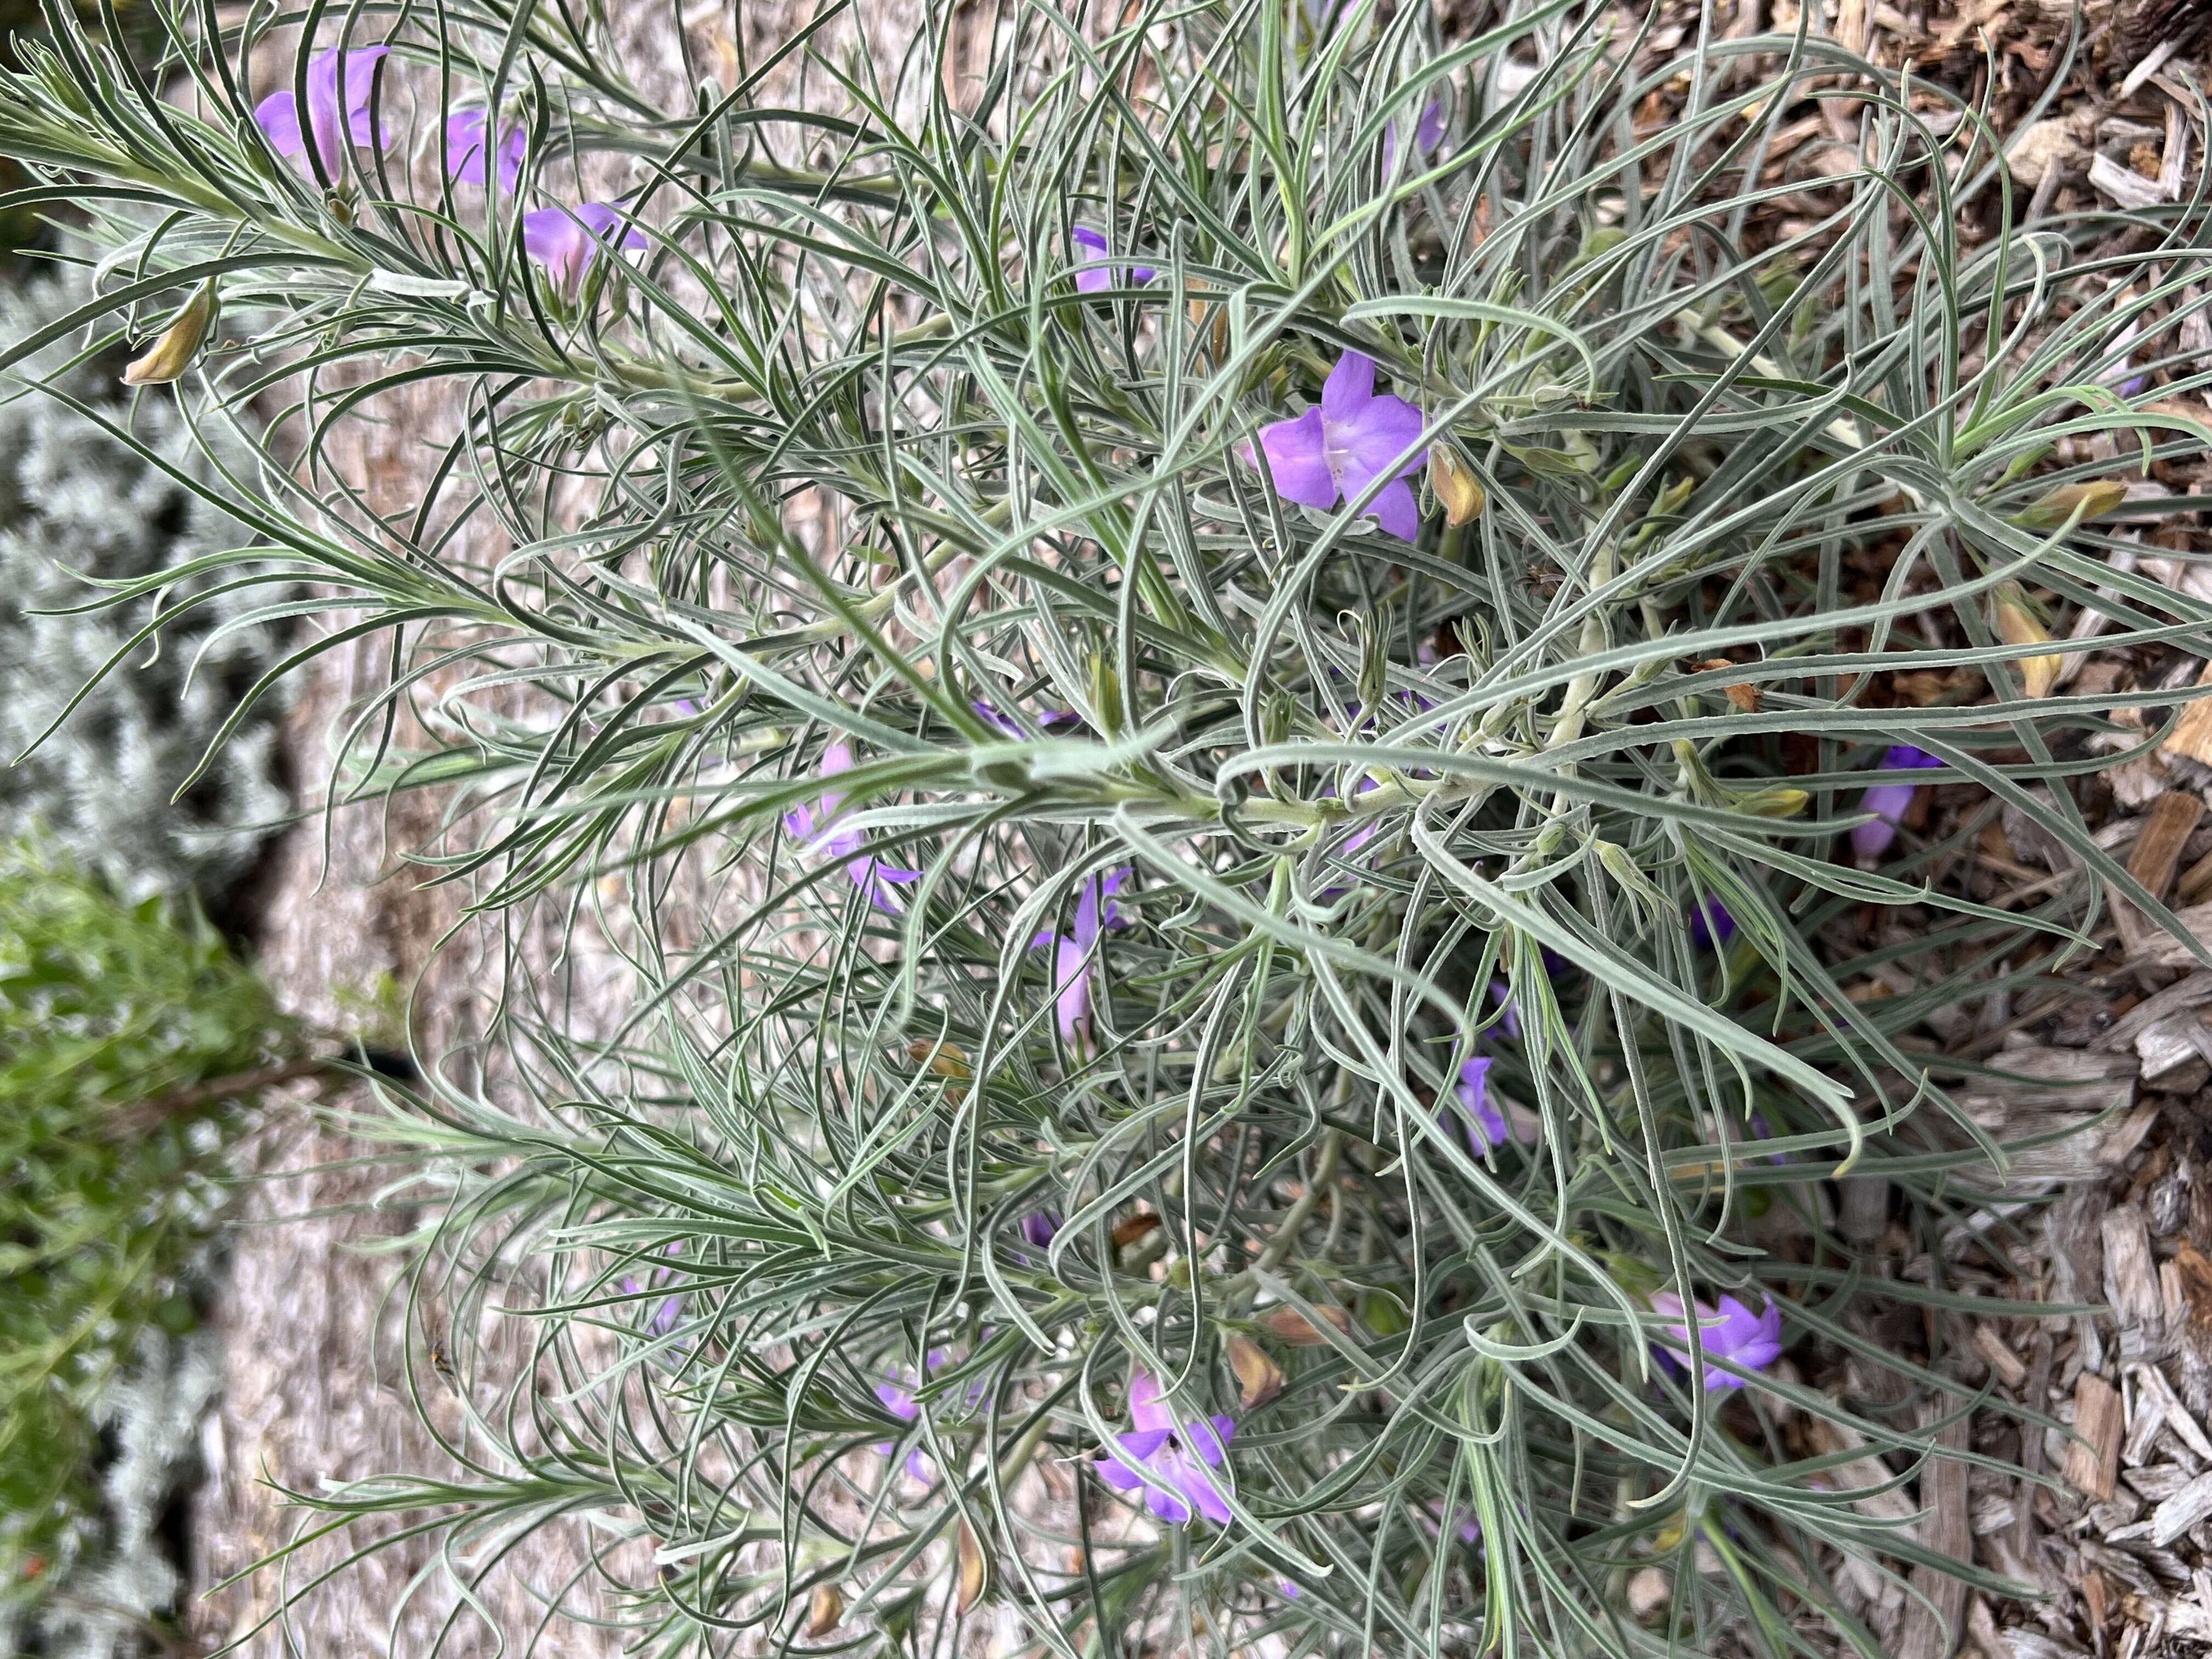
(2075, 503)
(2017, 623)
(172, 353)
(971, 1569)
(1457, 490)
(1297, 1329)
(824, 1611)
(1259, 1379)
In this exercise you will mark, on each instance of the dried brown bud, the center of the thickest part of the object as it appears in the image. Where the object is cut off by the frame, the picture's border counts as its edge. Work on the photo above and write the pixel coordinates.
(823, 1612)
(1297, 1329)
(944, 1059)
(971, 1569)
(1259, 1379)
(1131, 1227)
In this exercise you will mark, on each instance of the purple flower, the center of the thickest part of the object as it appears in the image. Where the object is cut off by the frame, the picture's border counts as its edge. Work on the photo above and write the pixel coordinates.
(665, 1316)
(336, 113)
(1508, 1016)
(1097, 272)
(1039, 1227)
(1485, 1124)
(1469, 1530)
(1428, 133)
(1730, 1332)
(1711, 924)
(812, 825)
(1352, 843)
(1047, 720)
(896, 1393)
(1888, 802)
(1094, 912)
(565, 240)
(1171, 1463)
(466, 149)
(1764, 1131)
(1345, 443)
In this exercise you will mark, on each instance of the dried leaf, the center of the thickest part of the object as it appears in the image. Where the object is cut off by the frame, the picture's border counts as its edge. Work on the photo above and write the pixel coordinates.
(824, 1611)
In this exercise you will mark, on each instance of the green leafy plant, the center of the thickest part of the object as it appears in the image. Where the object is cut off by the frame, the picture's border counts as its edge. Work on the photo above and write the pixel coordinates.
(1222, 941)
(130, 1041)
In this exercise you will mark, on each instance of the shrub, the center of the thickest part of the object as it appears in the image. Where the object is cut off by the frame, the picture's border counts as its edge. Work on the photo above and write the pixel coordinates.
(94, 488)
(128, 1038)
(1149, 929)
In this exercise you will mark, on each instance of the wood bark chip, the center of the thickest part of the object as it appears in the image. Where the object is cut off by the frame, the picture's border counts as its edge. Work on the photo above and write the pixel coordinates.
(2158, 848)
(2093, 1461)
(2131, 1279)
(1932, 1616)
(2185, 1427)
(2192, 732)
(2178, 1513)
(2009, 1367)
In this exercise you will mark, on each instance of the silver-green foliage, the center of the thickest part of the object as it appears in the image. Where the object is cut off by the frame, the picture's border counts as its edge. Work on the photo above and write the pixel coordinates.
(79, 503)
(829, 1122)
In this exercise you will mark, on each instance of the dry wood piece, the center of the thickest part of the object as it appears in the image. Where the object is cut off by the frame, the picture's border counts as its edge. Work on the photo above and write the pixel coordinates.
(2181, 1511)
(2000, 1358)
(2185, 1427)
(2158, 848)
(2131, 1279)
(2192, 732)
(1932, 1618)
(2092, 1462)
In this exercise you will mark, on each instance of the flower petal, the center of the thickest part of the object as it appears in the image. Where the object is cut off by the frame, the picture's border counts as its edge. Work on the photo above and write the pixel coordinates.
(1297, 460)
(1349, 389)
(1196, 1483)
(1146, 1409)
(1372, 442)
(1397, 510)
(278, 116)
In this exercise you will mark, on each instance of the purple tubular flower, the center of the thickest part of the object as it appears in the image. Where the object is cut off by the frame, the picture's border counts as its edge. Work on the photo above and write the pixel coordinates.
(1729, 1331)
(1888, 802)
(466, 149)
(812, 826)
(1172, 1463)
(896, 1394)
(1485, 1124)
(1040, 1226)
(665, 1316)
(1345, 443)
(1711, 924)
(565, 240)
(1428, 133)
(338, 117)
(1508, 1016)
(1095, 913)
(1047, 720)
(1099, 273)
